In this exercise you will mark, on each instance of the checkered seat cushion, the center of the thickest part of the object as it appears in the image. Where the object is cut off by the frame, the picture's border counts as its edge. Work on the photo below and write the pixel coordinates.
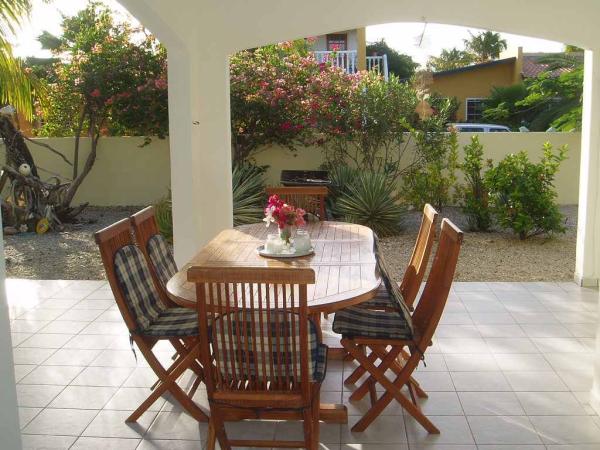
(360, 322)
(382, 300)
(257, 338)
(161, 258)
(386, 316)
(151, 315)
(180, 322)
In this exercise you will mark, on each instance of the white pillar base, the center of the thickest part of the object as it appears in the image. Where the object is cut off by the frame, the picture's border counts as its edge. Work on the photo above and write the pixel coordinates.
(585, 281)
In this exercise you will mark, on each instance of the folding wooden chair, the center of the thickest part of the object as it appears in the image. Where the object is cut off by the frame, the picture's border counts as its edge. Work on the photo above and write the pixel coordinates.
(309, 198)
(155, 249)
(410, 284)
(388, 335)
(268, 359)
(148, 319)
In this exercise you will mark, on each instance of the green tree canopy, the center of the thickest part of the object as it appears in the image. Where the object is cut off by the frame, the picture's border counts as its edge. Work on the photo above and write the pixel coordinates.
(485, 46)
(449, 59)
(17, 87)
(399, 64)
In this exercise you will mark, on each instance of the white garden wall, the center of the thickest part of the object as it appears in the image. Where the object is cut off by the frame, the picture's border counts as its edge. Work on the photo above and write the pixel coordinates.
(496, 147)
(126, 174)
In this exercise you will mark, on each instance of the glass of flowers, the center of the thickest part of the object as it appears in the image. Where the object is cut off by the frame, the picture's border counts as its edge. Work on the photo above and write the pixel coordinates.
(285, 216)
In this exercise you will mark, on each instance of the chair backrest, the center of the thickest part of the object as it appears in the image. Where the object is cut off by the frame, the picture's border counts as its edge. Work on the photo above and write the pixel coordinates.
(129, 276)
(155, 249)
(309, 198)
(433, 300)
(415, 272)
(261, 337)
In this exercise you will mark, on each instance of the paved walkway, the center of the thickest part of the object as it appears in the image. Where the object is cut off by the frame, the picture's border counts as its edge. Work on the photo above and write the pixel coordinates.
(510, 368)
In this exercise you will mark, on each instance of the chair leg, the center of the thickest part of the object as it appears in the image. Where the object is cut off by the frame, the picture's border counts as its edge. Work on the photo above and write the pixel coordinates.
(392, 389)
(211, 438)
(219, 428)
(364, 388)
(168, 382)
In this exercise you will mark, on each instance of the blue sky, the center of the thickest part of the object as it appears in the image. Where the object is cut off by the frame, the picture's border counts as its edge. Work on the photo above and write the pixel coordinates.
(404, 36)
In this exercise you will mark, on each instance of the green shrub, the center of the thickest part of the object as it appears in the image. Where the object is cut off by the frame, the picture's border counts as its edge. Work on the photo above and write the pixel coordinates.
(248, 183)
(475, 194)
(432, 181)
(372, 201)
(522, 195)
(163, 211)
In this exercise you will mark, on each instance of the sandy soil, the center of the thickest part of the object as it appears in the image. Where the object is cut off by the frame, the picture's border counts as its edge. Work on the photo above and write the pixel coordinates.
(497, 256)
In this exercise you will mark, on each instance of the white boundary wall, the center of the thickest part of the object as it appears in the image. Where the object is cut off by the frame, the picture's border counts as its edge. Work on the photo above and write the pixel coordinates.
(127, 174)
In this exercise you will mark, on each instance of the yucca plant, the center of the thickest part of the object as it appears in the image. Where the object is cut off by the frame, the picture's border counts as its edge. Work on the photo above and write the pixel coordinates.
(248, 182)
(372, 201)
(163, 212)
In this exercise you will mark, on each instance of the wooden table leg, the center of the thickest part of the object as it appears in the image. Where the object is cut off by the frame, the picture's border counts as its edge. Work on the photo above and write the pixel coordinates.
(333, 413)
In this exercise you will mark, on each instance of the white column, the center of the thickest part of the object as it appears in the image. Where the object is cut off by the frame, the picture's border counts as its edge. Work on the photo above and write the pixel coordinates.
(200, 142)
(587, 266)
(10, 434)
(588, 232)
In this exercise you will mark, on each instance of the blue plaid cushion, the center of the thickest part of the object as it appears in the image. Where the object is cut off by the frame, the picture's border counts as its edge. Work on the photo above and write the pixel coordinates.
(266, 352)
(382, 300)
(355, 321)
(161, 258)
(137, 286)
(394, 295)
(179, 322)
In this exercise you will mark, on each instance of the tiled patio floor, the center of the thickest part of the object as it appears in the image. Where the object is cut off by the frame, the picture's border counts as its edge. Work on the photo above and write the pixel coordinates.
(510, 368)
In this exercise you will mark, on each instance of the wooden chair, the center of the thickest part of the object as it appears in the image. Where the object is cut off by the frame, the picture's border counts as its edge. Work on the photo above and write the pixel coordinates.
(148, 319)
(155, 249)
(267, 358)
(309, 198)
(388, 335)
(410, 285)
(417, 265)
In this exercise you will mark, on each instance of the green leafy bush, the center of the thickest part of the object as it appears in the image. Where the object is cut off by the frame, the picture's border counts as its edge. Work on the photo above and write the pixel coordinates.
(522, 195)
(371, 200)
(475, 194)
(163, 212)
(248, 183)
(433, 180)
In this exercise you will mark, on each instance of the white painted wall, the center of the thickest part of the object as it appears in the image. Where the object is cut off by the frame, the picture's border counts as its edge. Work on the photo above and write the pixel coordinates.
(321, 40)
(10, 435)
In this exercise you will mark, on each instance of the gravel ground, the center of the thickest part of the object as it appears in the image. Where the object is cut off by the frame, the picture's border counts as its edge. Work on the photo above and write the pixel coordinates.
(497, 256)
(69, 255)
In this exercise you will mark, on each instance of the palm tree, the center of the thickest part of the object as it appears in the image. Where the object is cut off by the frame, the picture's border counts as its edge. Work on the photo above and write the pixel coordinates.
(16, 87)
(449, 59)
(485, 46)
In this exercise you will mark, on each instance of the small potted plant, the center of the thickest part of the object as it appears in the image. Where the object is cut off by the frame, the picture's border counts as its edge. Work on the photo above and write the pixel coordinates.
(287, 217)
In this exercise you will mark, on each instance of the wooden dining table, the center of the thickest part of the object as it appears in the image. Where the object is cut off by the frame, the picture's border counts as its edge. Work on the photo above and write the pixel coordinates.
(343, 260)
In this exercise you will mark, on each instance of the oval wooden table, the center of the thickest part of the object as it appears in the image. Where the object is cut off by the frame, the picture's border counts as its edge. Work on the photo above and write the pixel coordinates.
(343, 261)
(344, 264)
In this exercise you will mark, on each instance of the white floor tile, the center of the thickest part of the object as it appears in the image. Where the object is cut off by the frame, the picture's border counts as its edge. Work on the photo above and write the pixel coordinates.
(503, 430)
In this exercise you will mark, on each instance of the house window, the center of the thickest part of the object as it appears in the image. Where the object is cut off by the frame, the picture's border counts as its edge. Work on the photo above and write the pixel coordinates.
(475, 107)
(337, 42)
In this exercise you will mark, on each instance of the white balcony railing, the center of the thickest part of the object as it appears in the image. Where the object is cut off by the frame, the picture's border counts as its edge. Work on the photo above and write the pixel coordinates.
(347, 60)
(379, 64)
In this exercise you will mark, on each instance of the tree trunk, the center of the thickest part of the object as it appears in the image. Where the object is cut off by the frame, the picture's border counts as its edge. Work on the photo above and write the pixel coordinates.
(17, 152)
(77, 141)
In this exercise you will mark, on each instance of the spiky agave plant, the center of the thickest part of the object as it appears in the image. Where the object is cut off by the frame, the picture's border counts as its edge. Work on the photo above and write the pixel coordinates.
(372, 201)
(248, 182)
(163, 212)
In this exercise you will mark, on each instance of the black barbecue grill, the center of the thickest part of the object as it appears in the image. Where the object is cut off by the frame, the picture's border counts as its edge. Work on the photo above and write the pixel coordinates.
(305, 178)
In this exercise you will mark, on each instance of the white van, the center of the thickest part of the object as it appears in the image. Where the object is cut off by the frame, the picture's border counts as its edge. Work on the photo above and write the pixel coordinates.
(479, 128)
